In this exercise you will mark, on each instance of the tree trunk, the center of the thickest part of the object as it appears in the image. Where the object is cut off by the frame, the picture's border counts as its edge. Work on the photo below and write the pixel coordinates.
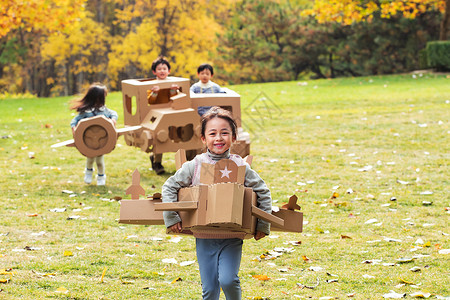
(445, 24)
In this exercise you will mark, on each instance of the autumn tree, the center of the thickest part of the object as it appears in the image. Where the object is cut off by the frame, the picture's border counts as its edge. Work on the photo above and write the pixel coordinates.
(352, 11)
(181, 30)
(23, 24)
(268, 41)
(78, 58)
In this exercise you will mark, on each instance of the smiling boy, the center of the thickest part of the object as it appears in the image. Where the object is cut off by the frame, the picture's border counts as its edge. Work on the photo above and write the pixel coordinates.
(161, 69)
(205, 86)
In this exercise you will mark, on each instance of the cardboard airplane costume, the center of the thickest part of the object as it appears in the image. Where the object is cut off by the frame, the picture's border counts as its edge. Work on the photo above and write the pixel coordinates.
(221, 202)
(169, 120)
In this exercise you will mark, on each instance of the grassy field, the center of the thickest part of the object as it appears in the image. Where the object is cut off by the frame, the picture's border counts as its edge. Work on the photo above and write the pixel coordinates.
(367, 157)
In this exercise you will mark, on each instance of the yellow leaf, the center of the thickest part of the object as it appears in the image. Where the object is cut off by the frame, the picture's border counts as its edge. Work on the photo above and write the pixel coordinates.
(62, 290)
(405, 281)
(261, 277)
(68, 253)
(176, 279)
(305, 258)
(103, 274)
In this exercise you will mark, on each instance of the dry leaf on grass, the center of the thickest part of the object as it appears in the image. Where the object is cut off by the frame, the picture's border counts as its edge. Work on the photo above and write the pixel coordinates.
(306, 259)
(103, 274)
(420, 295)
(176, 279)
(405, 281)
(187, 263)
(62, 290)
(169, 261)
(261, 277)
(394, 295)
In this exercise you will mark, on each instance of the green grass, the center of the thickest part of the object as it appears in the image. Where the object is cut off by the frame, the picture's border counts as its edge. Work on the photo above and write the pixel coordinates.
(309, 139)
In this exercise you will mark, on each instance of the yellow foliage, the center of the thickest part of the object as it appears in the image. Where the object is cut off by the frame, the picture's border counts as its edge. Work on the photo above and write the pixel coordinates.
(350, 11)
(38, 15)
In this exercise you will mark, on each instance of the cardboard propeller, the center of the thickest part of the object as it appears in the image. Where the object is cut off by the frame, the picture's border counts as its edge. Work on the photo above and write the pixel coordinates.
(96, 136)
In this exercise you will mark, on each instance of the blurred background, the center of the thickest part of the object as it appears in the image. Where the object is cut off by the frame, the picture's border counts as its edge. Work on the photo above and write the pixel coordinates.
(57, 48)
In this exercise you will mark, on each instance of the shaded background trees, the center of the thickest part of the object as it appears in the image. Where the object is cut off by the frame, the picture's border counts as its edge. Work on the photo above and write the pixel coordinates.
(58, 49)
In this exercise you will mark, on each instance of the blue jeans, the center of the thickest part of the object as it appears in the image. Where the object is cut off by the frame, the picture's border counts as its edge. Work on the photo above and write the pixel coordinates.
(219, 261)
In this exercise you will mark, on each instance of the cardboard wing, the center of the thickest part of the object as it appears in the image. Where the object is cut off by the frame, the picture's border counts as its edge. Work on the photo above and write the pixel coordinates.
(141, 212)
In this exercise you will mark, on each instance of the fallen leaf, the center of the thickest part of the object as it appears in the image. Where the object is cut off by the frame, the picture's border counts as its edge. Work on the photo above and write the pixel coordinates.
(29, 248)
(306, 259)
(103, 274)
(62, 290)
(261, 277)
(371, 221)
(345, 237)
(420, 295)
(394, 295)
(402, 182)
(334, 195)
(57, 210)
(176, 279)
(405, 281)
(169, 261)
(187, 263)
(68, 253)
(295, 243)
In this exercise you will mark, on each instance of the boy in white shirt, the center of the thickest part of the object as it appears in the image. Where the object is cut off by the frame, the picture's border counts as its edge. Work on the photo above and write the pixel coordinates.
(205, 86)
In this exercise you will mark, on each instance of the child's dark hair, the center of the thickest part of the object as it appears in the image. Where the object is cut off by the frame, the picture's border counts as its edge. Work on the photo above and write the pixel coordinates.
(93, 99)
(218, 112)
(158, 61)
(204, 67)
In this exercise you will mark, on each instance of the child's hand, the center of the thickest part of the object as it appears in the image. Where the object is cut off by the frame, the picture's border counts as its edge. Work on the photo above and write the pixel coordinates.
(259, 235)
(174, 87)
(176, 228)
(155, 89)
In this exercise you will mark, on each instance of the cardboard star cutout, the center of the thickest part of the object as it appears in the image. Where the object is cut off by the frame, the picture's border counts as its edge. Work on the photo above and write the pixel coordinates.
(225, 172)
